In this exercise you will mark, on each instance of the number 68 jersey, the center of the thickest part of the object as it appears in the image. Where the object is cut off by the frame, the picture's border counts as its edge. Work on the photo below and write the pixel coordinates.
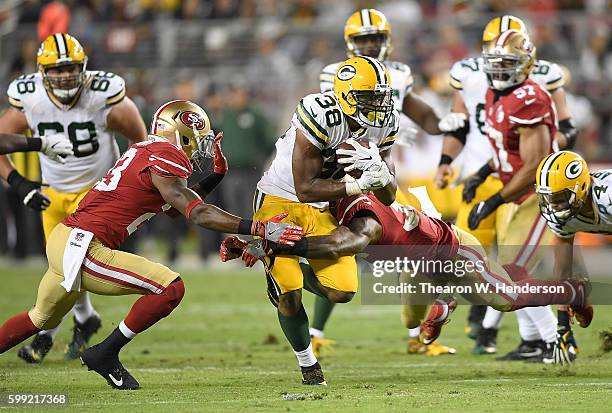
(320, 119)
(83, 123)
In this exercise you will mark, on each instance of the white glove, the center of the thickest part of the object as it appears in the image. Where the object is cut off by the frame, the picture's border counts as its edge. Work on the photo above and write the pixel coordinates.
(407, 136)
(452, 122)
(361, 157)
(369, 180)
(56, 146)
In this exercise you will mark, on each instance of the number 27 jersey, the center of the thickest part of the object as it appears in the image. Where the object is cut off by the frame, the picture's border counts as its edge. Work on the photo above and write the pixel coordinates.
(83, 123)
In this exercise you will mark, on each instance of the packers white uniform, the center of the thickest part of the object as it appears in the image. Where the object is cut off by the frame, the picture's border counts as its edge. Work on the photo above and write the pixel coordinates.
(83, 123)
(467, 76)
(320, 119)
(601, 223)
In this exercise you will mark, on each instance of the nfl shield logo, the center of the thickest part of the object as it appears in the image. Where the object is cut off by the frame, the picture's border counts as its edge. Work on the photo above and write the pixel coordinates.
(79, 236)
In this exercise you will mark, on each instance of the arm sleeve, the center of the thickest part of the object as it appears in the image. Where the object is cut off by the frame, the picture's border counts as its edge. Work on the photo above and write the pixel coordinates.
(308, 120)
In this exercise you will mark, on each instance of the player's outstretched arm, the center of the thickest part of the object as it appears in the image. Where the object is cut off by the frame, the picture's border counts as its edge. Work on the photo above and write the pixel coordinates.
(564, 256)
(12, 121)
(175, 192)
(307, 164)
(567, 135)
(10, 142)
(125, 119)
(423, 115)
(452, 144)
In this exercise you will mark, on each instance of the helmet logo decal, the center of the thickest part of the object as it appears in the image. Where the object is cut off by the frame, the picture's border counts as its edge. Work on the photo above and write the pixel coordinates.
(193, 120)
(573, 169)
(346, 72)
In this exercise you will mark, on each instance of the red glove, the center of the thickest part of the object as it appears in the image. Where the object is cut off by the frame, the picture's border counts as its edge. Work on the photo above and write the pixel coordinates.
(231, 248)
(220, 165)
(274, 230)
(254, 251)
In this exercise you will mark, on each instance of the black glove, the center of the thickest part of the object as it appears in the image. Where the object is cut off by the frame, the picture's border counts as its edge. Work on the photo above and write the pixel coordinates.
(483, 209)
(28, 191)
(470, 186)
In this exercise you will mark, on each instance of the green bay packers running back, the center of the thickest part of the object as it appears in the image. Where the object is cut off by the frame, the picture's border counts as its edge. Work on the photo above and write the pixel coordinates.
(572, 200)
(65, 101)
(470, 84)
(306, 174)
(367, 33)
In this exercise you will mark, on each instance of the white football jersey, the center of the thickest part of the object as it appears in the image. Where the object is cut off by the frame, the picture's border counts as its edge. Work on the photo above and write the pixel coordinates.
(601, 223)
(401, 83)
(320, 119)
(468, 77)
(83, 123)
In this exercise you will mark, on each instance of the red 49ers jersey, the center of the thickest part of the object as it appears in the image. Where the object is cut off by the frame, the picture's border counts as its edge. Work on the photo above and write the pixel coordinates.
(527, 105)
(402, 225)
(126, 198)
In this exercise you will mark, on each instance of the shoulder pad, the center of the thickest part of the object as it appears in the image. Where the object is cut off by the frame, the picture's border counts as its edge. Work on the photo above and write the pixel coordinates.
(327, 76)
(548, 74)
(23, 87)
(393, 129)
(109, 85)
(311, 117)
(167, 160)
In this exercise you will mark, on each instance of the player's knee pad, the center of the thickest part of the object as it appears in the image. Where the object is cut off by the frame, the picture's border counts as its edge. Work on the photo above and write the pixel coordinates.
(290, 303)
(174, 294)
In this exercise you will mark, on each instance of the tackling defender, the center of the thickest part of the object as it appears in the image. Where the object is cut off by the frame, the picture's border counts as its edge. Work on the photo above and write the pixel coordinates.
(470, 85)
(305, 174)
(149, 178)
(572, 200)
(65, 101)
(367, 32)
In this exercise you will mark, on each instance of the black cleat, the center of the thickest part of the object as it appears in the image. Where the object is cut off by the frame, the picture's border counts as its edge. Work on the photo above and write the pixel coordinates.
(486, 342)
(108, 366)
(313, 375)
(81, 335)
(547, 357)
(526, 350)
(35, 352)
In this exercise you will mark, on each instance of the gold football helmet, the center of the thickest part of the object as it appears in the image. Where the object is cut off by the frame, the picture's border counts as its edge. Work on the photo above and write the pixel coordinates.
(363, 90)
(367, 22)
(186, 125)
(509, 59)
(562, 183)
(499, 25)
(62, 52)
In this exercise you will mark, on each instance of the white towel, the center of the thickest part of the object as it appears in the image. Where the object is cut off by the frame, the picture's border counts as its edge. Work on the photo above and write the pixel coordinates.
(74, 255)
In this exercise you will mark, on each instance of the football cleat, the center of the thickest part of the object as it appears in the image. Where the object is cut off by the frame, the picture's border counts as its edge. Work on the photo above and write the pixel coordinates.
(81, 335)
(486, 342)
(415, 346)
(547, 357)
(437, 317)
(321, 345)
(313, 375)
(35, 352)
(526, 350)
(434, 349)
(472, 329)
(109, 367)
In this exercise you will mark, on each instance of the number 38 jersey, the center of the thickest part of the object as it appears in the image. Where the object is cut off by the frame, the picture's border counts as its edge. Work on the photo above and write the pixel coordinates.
(83, 123)
(126, 198)
(601, 223)
(468, 78)
(320, 119)
(526, 106)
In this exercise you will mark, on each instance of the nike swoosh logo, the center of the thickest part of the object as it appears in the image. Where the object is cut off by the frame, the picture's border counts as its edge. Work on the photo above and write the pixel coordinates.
(272, 231)
(536, 352)
(530, 101)
(117, 382)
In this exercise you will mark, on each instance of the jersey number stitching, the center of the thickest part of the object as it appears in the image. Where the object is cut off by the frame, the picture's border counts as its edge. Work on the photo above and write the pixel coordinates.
(116, 171)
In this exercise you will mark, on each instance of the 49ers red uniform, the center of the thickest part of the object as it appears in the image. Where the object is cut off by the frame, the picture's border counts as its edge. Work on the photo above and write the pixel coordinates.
(519, 226)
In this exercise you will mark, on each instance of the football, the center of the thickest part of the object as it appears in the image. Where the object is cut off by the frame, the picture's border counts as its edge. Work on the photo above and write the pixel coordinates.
(355, 173)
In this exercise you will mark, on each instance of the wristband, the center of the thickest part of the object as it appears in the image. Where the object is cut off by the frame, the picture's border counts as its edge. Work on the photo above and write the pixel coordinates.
(191, 206)
(445, 160)
(14, 178)
(33, 145)
(245, 227)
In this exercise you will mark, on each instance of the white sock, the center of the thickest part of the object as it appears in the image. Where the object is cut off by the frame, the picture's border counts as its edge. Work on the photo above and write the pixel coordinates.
(126, 331)
(316, 333)
(492, 318)
(414, 332)
(306, 358)
(83, 309)
(527, 328)
(544, 321)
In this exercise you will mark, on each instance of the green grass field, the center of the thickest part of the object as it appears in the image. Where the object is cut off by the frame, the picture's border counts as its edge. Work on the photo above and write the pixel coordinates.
(222, 350)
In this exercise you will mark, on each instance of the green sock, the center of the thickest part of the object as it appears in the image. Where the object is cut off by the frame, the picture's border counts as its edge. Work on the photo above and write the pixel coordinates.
(296, 329)
(310, 280)
(323, 309)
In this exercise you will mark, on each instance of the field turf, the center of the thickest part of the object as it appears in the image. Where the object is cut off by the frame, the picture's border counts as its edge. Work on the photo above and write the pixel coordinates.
(222, 350)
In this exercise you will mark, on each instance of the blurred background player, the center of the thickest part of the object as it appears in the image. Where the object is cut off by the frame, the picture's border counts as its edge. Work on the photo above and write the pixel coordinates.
(470, 84)
(368, 33)
(86, 108)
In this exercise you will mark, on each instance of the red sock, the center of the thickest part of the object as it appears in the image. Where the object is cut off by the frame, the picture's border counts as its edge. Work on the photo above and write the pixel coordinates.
(567, 292)
(15, 330)
(149, 309)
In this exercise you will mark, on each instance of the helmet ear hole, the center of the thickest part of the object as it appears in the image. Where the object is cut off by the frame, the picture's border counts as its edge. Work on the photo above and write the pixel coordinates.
(185, 140)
